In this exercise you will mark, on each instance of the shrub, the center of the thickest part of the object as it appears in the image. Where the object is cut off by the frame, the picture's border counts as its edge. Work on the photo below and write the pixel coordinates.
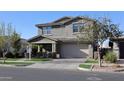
(110, 57)
(9, 55)
(54, 55)
(50, 55)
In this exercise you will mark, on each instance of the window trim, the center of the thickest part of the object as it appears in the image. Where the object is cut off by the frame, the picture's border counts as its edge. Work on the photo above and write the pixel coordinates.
(78, 26)
(47, 30)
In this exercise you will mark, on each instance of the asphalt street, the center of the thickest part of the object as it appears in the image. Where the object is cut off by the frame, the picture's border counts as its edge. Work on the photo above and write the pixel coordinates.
(33, 74)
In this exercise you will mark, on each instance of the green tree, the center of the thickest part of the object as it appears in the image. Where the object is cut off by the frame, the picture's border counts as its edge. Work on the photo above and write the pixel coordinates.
(101, 29)
(8, 37)
(2, 39)
(14, 38)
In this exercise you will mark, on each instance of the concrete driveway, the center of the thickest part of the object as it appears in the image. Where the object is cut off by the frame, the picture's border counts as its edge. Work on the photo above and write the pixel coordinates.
(59, 64)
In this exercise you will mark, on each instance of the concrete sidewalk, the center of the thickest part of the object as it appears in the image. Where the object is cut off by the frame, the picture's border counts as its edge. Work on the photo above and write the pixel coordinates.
(70, 60)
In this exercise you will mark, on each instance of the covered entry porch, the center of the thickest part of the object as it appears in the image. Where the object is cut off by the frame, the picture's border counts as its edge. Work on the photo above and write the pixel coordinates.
(43, 47)
(43, 50)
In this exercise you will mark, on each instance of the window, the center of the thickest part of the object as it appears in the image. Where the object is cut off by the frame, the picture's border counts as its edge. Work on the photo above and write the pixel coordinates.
(39, 31)
(77, 27)
(47, 30)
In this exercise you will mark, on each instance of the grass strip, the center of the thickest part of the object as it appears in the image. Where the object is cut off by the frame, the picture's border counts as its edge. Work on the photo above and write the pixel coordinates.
(91, 61)
(87, 66)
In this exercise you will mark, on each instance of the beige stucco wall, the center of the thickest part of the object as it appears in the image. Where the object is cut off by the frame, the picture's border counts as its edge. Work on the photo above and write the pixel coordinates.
(58, 32)
(65, 31)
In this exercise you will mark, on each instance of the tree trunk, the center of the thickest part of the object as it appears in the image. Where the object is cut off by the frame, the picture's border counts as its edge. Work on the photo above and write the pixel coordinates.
(4, 57)
(99, 58)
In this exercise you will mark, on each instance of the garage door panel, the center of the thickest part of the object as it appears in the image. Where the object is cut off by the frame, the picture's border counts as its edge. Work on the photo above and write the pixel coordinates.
(74, 51)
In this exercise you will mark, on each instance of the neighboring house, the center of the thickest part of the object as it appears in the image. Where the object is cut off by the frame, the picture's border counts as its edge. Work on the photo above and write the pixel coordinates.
(60, 36)
(119, 47)
(22, 44)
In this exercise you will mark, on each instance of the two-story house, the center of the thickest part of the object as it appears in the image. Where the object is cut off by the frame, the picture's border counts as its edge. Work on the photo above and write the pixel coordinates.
(60, 36)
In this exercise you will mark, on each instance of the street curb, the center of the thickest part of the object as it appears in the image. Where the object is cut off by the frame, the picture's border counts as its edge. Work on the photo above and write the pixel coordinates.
(92, 67)
(7, 65)
(14, 66)
(83, 69)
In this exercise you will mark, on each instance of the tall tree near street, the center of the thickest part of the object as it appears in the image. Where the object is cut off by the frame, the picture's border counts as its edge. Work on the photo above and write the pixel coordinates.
(101, 29)
(14, 38)
(8, 37)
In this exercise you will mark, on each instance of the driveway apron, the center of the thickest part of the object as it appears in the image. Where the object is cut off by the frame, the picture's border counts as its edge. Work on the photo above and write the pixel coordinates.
(59, 64)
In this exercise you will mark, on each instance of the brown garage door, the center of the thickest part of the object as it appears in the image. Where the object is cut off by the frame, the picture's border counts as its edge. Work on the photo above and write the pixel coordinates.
(121, 49)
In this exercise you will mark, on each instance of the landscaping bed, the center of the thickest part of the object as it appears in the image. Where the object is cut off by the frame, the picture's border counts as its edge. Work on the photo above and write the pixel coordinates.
(108, 68)
(92, 65)
(109, 64)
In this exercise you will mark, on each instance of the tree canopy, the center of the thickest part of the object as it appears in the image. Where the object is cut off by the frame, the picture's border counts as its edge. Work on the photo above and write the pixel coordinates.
(101, 29)
(98, 32)
(8, 36)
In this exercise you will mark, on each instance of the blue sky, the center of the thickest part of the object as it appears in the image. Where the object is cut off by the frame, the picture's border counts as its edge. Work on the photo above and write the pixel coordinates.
(24, 22)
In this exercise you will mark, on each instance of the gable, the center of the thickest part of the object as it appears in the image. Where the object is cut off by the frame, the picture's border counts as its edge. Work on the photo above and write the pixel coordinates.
(62, 20)
(43, 41)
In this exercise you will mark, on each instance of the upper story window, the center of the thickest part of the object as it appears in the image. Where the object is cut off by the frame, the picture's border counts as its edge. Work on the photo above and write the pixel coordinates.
(47, 30)
(39, 31)
(77, 27)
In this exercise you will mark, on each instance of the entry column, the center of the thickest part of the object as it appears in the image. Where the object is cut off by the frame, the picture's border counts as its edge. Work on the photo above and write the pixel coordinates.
(53, 47)
(38, 48)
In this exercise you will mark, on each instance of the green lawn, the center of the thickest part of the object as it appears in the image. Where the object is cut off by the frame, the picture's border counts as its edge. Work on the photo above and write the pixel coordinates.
(87, 66)
(91, 61)
(17, 63)
(38, 59)
(88, 63)
(32, 59)
(12, 59)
